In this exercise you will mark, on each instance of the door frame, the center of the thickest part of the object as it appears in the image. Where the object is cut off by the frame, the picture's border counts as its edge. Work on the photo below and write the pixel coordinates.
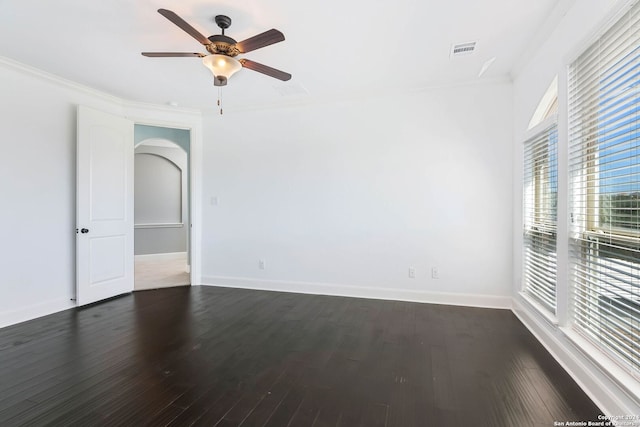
(195, 185)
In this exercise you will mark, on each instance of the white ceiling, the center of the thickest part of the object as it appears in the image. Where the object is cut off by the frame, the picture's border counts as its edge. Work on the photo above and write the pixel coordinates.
(333, 48)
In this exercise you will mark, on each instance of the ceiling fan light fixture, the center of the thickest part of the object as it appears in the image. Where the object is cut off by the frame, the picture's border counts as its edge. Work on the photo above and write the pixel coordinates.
(222, 67)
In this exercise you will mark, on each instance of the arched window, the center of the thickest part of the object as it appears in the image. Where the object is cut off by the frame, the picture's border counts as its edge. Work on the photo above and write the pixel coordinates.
(548, 105)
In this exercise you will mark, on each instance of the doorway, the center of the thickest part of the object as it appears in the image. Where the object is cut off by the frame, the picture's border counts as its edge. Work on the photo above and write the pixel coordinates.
(161, 207)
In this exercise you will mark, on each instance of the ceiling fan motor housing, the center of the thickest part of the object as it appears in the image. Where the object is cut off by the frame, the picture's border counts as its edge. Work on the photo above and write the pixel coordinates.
(223, 45)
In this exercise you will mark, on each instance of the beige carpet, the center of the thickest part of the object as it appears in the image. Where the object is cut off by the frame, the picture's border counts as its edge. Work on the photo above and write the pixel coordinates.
(161, 271)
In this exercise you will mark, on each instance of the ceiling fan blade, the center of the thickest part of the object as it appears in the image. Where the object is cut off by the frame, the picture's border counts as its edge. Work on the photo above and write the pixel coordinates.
(171, 16)
(261, 40)
(172, 54)
(272, 72)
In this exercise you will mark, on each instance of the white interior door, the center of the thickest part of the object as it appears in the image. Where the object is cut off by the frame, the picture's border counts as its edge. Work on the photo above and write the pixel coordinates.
(104, 206)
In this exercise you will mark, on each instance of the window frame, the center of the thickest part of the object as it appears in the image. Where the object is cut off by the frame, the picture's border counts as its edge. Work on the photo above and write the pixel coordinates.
(594, 285)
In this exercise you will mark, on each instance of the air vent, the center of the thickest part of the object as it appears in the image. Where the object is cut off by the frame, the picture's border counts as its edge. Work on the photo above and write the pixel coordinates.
(461, 49)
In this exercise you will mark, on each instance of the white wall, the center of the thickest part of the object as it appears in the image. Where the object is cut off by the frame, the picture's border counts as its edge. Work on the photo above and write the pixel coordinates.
(161, 190)
(38, 190)
(574, 31)
(38, 122)
(343, 198)
(155, 176)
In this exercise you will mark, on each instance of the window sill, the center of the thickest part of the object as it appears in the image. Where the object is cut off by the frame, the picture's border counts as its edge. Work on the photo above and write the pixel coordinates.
(627, 381)
(550, 318)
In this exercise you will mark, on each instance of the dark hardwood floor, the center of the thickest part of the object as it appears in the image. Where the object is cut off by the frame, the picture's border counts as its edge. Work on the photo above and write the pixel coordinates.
(227, 357)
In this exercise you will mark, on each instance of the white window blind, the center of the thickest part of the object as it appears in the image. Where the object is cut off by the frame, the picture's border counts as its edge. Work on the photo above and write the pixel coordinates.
(540, 216)
(604, 156)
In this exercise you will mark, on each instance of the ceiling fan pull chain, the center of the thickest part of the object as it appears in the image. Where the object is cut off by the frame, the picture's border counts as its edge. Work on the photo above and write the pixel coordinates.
(220, 99)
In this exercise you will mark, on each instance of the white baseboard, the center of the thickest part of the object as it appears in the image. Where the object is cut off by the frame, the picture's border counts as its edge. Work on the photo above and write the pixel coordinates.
(8, 318)
(485, 301)
(605, 392)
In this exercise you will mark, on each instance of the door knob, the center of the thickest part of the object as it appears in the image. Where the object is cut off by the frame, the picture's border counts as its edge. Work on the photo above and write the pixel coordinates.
(84, 230)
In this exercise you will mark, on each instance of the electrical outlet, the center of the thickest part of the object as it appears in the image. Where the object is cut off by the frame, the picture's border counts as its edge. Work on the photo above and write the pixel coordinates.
(435, 274)
(262, 264)
(412, 273)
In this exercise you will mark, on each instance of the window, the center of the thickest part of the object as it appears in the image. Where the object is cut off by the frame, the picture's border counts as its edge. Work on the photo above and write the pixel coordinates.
(604, 156)
(548, 105)
(540, 216)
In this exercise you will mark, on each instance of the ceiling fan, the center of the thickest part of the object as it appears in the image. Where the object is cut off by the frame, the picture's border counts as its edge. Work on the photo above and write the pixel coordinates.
(223, 49)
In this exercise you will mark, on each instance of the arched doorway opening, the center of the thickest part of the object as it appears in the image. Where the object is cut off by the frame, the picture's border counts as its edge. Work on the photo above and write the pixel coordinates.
(162, 217)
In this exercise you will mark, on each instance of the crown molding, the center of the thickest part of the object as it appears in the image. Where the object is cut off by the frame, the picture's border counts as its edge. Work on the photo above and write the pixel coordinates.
(57, 80)
(70, 84)
(305, 101)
